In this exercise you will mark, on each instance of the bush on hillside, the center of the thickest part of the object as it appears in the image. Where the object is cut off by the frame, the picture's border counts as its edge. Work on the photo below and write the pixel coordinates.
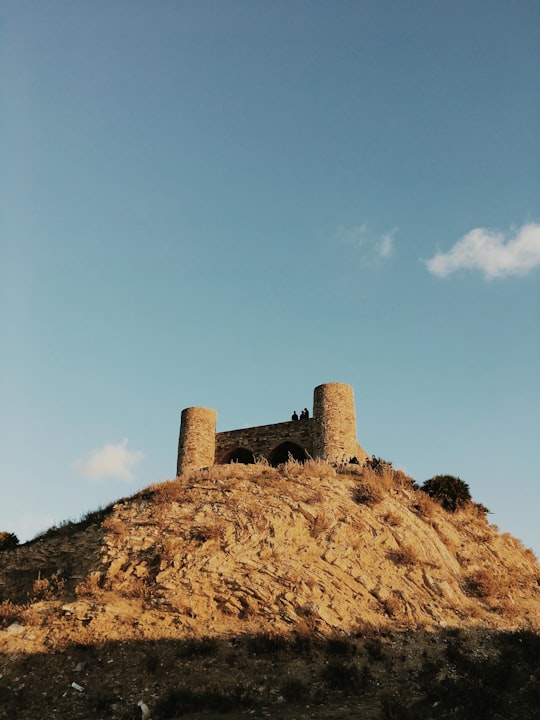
(366, 493)
(9, 612)
(451, 492)
(378, 464)
(8, 541)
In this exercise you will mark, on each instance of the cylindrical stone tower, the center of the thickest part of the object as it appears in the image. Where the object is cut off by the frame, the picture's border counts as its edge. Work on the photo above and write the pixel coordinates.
(335, 424)
(197, 443)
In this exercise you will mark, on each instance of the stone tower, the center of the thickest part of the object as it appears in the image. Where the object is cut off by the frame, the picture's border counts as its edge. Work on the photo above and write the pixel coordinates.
(330, 435)
(334, 437)
(197, 443)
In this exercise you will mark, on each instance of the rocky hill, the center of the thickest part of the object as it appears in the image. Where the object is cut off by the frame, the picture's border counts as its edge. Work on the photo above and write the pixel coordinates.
(301, 591)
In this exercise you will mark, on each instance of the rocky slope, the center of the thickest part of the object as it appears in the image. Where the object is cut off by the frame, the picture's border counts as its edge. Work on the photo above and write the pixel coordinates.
(242, 551)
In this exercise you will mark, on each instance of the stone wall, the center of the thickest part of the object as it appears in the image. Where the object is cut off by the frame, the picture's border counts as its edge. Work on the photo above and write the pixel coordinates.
(330, 435)
(264, 439)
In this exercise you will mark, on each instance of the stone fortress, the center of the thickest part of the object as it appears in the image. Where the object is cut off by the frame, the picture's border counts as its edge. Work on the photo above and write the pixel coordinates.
(330, 434)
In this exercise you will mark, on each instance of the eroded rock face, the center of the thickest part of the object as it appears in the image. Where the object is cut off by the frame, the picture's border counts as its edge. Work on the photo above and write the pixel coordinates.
(240, 549)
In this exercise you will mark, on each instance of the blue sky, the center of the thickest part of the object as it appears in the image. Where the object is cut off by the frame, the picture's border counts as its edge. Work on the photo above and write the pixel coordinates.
(228, 203)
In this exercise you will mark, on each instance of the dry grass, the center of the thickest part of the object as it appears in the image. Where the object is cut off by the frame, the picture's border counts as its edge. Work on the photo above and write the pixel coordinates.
(424, 506)
(309, 469)
(393, 605)
(391, 519)
(404, 555)
(374, 482)
(230, 472)
(367, 493)
(116, 526)
(481, 584)
(134, 587)
(26, 614)
(321, 523)
(47, 588)
(402, 480)
(206, 533)
(168, 492)
(90, 586)
(498, 593)
(10, 612)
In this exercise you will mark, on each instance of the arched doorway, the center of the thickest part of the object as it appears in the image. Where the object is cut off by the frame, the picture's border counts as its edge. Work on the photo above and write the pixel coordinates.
(239, 455)
(281, 453)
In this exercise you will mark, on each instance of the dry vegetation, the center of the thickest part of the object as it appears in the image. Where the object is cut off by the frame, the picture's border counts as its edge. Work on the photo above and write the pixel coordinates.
(327, 590)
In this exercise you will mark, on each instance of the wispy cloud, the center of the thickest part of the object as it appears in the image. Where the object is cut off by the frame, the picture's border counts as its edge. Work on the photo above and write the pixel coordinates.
(490, 253)
(385, 244)
(372, 247)
(111, 462)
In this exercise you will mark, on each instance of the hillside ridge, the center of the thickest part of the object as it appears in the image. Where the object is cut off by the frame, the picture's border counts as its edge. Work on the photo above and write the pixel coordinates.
(301, 551)
(240, 546)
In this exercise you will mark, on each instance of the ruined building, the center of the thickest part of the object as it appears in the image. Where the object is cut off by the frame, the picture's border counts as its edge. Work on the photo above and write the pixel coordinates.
(330, 434)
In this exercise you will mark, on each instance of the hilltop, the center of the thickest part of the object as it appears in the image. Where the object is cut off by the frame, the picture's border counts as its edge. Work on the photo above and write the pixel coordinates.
(300, 591)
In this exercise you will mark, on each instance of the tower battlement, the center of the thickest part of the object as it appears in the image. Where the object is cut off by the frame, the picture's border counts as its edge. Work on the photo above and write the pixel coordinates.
(329, 435)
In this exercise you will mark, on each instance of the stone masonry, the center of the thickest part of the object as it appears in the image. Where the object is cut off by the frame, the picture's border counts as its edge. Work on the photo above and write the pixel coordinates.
(329, 435)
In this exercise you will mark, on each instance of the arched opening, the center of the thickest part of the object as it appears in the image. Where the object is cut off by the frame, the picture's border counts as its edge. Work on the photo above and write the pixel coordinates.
(239, 455)
(281, 453)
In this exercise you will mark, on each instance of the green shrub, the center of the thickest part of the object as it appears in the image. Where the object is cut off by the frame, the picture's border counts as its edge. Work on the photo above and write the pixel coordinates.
(8, 541)
(451, 492)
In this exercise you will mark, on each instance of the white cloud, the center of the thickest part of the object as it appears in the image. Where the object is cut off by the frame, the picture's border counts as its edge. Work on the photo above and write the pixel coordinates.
(111, 462)
(386, 244)
(372, 247)
(487, 251)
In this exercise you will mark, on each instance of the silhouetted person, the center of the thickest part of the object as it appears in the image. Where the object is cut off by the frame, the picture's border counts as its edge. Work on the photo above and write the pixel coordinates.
(294, 416)
(304, 415)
